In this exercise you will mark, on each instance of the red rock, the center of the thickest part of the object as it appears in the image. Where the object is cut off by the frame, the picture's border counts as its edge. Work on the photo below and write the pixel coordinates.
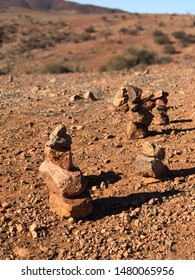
(153, 150)
(124, 108)
(122, 92)
(62, 182)
(76, 207)
(119, 101)
(62, 159)
(149, 167)
(135, 131)
(161, 120)
(143, 117)
(134, 94)
(90, 96)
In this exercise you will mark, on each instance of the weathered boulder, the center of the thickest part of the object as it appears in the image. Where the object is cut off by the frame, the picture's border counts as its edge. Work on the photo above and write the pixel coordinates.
(149, 166)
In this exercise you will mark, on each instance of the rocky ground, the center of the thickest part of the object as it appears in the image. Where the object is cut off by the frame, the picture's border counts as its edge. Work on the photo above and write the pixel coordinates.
(132, 218)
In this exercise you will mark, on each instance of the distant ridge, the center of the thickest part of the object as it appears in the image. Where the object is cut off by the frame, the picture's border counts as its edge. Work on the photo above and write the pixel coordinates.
(56, 5)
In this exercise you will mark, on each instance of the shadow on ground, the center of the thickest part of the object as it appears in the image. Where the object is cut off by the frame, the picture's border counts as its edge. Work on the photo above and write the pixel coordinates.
(169, 131)
(109, 177)
(115, 205)
(181, 121)
(181, 173)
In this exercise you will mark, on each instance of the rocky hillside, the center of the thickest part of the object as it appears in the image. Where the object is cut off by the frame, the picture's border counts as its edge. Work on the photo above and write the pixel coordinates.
(54, 5)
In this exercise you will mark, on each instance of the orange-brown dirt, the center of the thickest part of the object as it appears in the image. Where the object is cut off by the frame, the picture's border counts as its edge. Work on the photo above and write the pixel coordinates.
(132, 218)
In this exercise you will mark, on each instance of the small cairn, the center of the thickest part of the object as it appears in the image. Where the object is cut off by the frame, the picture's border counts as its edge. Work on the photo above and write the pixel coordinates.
(160, 110)
(66, 183)
(139, 105)
(149, 163)
(129, 100)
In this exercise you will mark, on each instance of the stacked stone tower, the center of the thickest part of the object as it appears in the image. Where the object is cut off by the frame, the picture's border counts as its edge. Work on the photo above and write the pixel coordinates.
(66, 183)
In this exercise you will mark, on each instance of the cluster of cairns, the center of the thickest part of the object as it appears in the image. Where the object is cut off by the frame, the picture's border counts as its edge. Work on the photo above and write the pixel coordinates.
(142, 108)
(150, 162)
(66, 183)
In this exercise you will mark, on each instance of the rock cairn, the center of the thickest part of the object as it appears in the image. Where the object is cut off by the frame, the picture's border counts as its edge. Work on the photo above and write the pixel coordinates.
(139, 105)
(160, 110)
(149, 163)
(66, 183)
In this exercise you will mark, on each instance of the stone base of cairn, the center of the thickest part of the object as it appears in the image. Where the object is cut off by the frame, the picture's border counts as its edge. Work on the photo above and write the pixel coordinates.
(149, 164)
(142, 108)
(66, 183)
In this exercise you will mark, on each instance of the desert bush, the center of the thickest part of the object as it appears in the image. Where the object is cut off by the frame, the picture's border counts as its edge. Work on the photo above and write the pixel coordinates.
(2, 56)
(179, 34)
(85, 36)
(127, 31)
(170, 49)
(90, 29)
(55, 68)
(117, 63)
(34, 42)
(185, 39)
(161, 38)
(132, 58)
(4, 70)
(141, 56)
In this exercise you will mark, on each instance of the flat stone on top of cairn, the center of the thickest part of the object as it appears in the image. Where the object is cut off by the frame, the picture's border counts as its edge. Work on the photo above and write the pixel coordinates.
(66, 183)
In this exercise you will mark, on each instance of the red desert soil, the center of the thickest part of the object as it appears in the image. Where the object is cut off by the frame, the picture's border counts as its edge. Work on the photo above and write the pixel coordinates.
(131, 219)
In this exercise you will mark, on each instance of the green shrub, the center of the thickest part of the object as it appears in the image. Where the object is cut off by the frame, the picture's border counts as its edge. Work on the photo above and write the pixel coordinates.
(55, 68)
(127, 31)
(132, 58)
(90, 29)
(2, 56)
(161, 38)
(185, 39)
(140, 56)
(117, 63)
(85, 36)
(169, 49)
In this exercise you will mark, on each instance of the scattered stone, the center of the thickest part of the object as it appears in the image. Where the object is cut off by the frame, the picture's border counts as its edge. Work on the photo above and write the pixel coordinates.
(75, 97)
(150, 180)
(90, 96)
(35, 89)
(33, 230)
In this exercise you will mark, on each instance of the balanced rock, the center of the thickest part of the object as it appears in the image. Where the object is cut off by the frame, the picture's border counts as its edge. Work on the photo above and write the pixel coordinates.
(134, 94)
(153, 150)
(136, 131)
(143, 117)
(149, 166)
(61, 158)
(63, 182)
(59, 139)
